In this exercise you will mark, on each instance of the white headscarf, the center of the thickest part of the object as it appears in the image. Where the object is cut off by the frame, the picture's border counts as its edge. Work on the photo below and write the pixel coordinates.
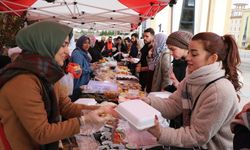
(159, 46)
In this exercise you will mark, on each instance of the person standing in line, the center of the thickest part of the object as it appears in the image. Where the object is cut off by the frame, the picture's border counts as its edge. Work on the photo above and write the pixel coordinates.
(135, 46)
(207, 97)
(161, 62)
(142, 66)
(108, 48)
(128, 44)
(120, 48)
(133, 52)
(94, 50)
(101, 43)
(177, 43)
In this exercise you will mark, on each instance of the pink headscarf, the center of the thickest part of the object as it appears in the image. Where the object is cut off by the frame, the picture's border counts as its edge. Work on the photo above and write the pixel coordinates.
(92, 40)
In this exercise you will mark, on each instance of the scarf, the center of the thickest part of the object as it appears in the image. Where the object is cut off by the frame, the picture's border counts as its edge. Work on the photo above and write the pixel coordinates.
(44, 38)
(201, 78)
(48, 72)
(159, 47)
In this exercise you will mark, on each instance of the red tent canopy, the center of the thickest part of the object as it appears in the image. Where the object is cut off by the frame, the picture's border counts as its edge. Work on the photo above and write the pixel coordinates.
(121, 15)
(7, 6)
(147, 8)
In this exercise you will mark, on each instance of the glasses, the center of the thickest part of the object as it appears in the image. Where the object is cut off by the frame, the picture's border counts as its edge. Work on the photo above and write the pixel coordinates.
(65, 44)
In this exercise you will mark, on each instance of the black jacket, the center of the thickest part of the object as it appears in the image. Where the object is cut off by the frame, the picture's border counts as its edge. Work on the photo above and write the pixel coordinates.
(179, 69)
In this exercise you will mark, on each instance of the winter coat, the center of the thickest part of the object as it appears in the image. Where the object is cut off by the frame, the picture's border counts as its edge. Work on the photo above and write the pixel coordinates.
(24, 117)
(161, 77)
(210, 119)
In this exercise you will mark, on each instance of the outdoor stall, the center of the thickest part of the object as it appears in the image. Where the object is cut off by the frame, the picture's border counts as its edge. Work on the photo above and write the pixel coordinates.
(112, 82)
(117, 85)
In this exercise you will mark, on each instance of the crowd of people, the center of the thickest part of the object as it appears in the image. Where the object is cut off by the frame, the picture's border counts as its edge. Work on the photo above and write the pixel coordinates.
(200, 70)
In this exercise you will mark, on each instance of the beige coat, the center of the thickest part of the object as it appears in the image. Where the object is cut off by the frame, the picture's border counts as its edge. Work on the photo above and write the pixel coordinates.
(161, 77)
(211, 118)
(24, 118)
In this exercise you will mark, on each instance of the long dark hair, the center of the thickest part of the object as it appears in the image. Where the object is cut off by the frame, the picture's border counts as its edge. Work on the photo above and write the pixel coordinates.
(226, 49)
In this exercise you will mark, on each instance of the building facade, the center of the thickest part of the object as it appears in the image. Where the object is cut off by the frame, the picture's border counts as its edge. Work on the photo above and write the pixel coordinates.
(244, 37)
(236, 18)
(195, 16)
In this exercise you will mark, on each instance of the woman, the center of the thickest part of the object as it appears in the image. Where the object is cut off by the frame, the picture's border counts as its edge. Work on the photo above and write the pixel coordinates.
(120, 48)
(128, 44)
(177, 43)
(94, 50)
(107, 49)
(81, 56)
(30, 97)
(161, 62)
(206, 97)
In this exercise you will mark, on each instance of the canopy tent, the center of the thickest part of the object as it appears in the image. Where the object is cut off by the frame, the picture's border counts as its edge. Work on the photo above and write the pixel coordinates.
(121, 15)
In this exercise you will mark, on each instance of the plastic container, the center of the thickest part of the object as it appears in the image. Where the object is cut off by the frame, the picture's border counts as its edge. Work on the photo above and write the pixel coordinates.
(162, 95)
(100, 87)
(138, 113)
(133, 94)
(86, 101)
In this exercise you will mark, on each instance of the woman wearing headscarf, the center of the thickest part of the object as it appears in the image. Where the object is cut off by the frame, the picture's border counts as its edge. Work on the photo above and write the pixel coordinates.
(160, 64)
(81, 56)
(31, 99)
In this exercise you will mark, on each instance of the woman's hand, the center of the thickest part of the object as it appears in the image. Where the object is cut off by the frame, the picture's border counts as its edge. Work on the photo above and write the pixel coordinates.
(100, 115)
(150, 53)
(109, 109)
(173, 78)
(138, 68)
(155, 130)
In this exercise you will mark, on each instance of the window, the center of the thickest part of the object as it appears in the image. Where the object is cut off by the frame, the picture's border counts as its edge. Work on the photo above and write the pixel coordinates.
(187, 16)
(244, 38)
(190, 3)
(143, 25)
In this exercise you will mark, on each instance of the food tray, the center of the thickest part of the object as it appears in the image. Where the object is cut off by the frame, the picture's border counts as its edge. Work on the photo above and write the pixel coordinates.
(138, 113)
